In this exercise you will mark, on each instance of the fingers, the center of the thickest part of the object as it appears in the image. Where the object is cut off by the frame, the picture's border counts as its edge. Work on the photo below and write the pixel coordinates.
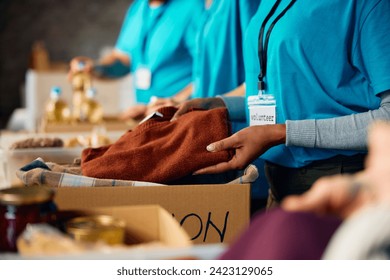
(74, 64)
(214, 169)
(135, 112)
(184, 108)
(329, 195)
(158, 103)
(224, 144)
(316, 200)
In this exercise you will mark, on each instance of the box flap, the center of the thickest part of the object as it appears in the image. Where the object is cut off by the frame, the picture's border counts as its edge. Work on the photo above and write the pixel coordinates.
(146, 223)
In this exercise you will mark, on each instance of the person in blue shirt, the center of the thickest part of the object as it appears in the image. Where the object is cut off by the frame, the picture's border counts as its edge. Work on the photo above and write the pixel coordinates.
(156, 44)
(325, 67)
(218, 63)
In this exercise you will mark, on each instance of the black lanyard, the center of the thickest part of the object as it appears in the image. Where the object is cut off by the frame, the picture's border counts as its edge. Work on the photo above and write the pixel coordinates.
(263, 47)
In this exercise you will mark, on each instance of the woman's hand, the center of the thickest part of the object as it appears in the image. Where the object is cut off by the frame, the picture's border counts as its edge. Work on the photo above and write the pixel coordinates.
(248, 144)
(199, 103)
(156, 103)
(74, 65)
(136, 112)
(339, 195)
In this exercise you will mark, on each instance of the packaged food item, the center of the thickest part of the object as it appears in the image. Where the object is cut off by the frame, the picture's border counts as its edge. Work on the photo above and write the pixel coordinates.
(98, 228)
(39, 142)
(43, 239)
(81, 82)
(20, 206)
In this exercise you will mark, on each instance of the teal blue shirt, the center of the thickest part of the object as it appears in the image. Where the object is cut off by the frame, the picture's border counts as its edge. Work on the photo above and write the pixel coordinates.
(218, 65)
(161, 39)
(326, 59)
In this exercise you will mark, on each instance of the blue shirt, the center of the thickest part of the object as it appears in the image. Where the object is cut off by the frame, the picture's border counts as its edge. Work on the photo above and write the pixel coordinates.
(218, 65)
(325, 59)
(161, 39)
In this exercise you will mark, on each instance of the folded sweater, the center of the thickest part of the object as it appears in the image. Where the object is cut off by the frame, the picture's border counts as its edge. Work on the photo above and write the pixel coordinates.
(161, 151)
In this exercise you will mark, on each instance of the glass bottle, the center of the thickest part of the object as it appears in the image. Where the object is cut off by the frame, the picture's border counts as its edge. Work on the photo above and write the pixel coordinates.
(91, 109)
(81, 82)
(57, 110)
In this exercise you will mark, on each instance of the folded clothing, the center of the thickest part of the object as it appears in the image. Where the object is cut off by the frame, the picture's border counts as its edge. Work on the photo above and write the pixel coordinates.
(159, 150)
(41, 173)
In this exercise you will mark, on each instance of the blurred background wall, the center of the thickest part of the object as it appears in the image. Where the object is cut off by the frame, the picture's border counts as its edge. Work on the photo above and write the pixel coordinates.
(67, 28)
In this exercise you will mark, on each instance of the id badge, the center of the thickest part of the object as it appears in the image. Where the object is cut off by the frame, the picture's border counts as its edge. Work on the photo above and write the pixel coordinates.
(143, 78)
(262, 110)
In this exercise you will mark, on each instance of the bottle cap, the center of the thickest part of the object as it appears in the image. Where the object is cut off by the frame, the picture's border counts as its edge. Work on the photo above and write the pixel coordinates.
(55, 92)
(91, 92)
(81, 65)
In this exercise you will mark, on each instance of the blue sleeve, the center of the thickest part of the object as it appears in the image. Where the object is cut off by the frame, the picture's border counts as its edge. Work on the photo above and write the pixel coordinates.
(115, 70)
(235, 106)
(130, 29)
(372, 50)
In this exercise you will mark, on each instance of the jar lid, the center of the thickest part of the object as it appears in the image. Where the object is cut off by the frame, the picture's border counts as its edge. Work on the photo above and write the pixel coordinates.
(97, 228)
(96, 223)
(25, 195)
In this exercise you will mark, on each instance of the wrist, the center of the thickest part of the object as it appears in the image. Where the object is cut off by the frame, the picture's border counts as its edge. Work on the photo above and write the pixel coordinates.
(280, 134)
(276, 134)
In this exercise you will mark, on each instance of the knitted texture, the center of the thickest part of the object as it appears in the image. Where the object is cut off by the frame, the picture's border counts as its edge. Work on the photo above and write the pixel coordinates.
(159, 150)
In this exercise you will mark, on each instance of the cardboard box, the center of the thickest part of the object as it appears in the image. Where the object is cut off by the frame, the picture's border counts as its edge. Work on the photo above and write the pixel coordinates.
(208, 213)
(146, 223)
(13, 159)
(110, 124)
(16, 159)
(156, 233)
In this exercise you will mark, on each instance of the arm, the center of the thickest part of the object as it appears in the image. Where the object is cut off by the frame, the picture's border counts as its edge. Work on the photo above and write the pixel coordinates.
(114, 65)
(347, 132)
(175, 100)
(253, 141)
(238, 91)
(183, 95)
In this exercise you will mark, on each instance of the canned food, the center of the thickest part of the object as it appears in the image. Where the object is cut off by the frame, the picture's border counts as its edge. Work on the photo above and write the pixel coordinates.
(97, 228)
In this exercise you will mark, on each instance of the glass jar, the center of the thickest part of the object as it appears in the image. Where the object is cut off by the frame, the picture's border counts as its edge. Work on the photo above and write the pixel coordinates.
(20, 206)
(97, 228)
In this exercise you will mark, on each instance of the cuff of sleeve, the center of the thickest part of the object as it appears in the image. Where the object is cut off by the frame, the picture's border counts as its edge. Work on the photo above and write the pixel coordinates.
(235, 106)
(115, 70)
(301, 133)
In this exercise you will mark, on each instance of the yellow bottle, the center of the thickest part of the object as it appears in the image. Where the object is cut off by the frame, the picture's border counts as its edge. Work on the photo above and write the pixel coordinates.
(91, 110)
(57, 111)
(81, 82)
